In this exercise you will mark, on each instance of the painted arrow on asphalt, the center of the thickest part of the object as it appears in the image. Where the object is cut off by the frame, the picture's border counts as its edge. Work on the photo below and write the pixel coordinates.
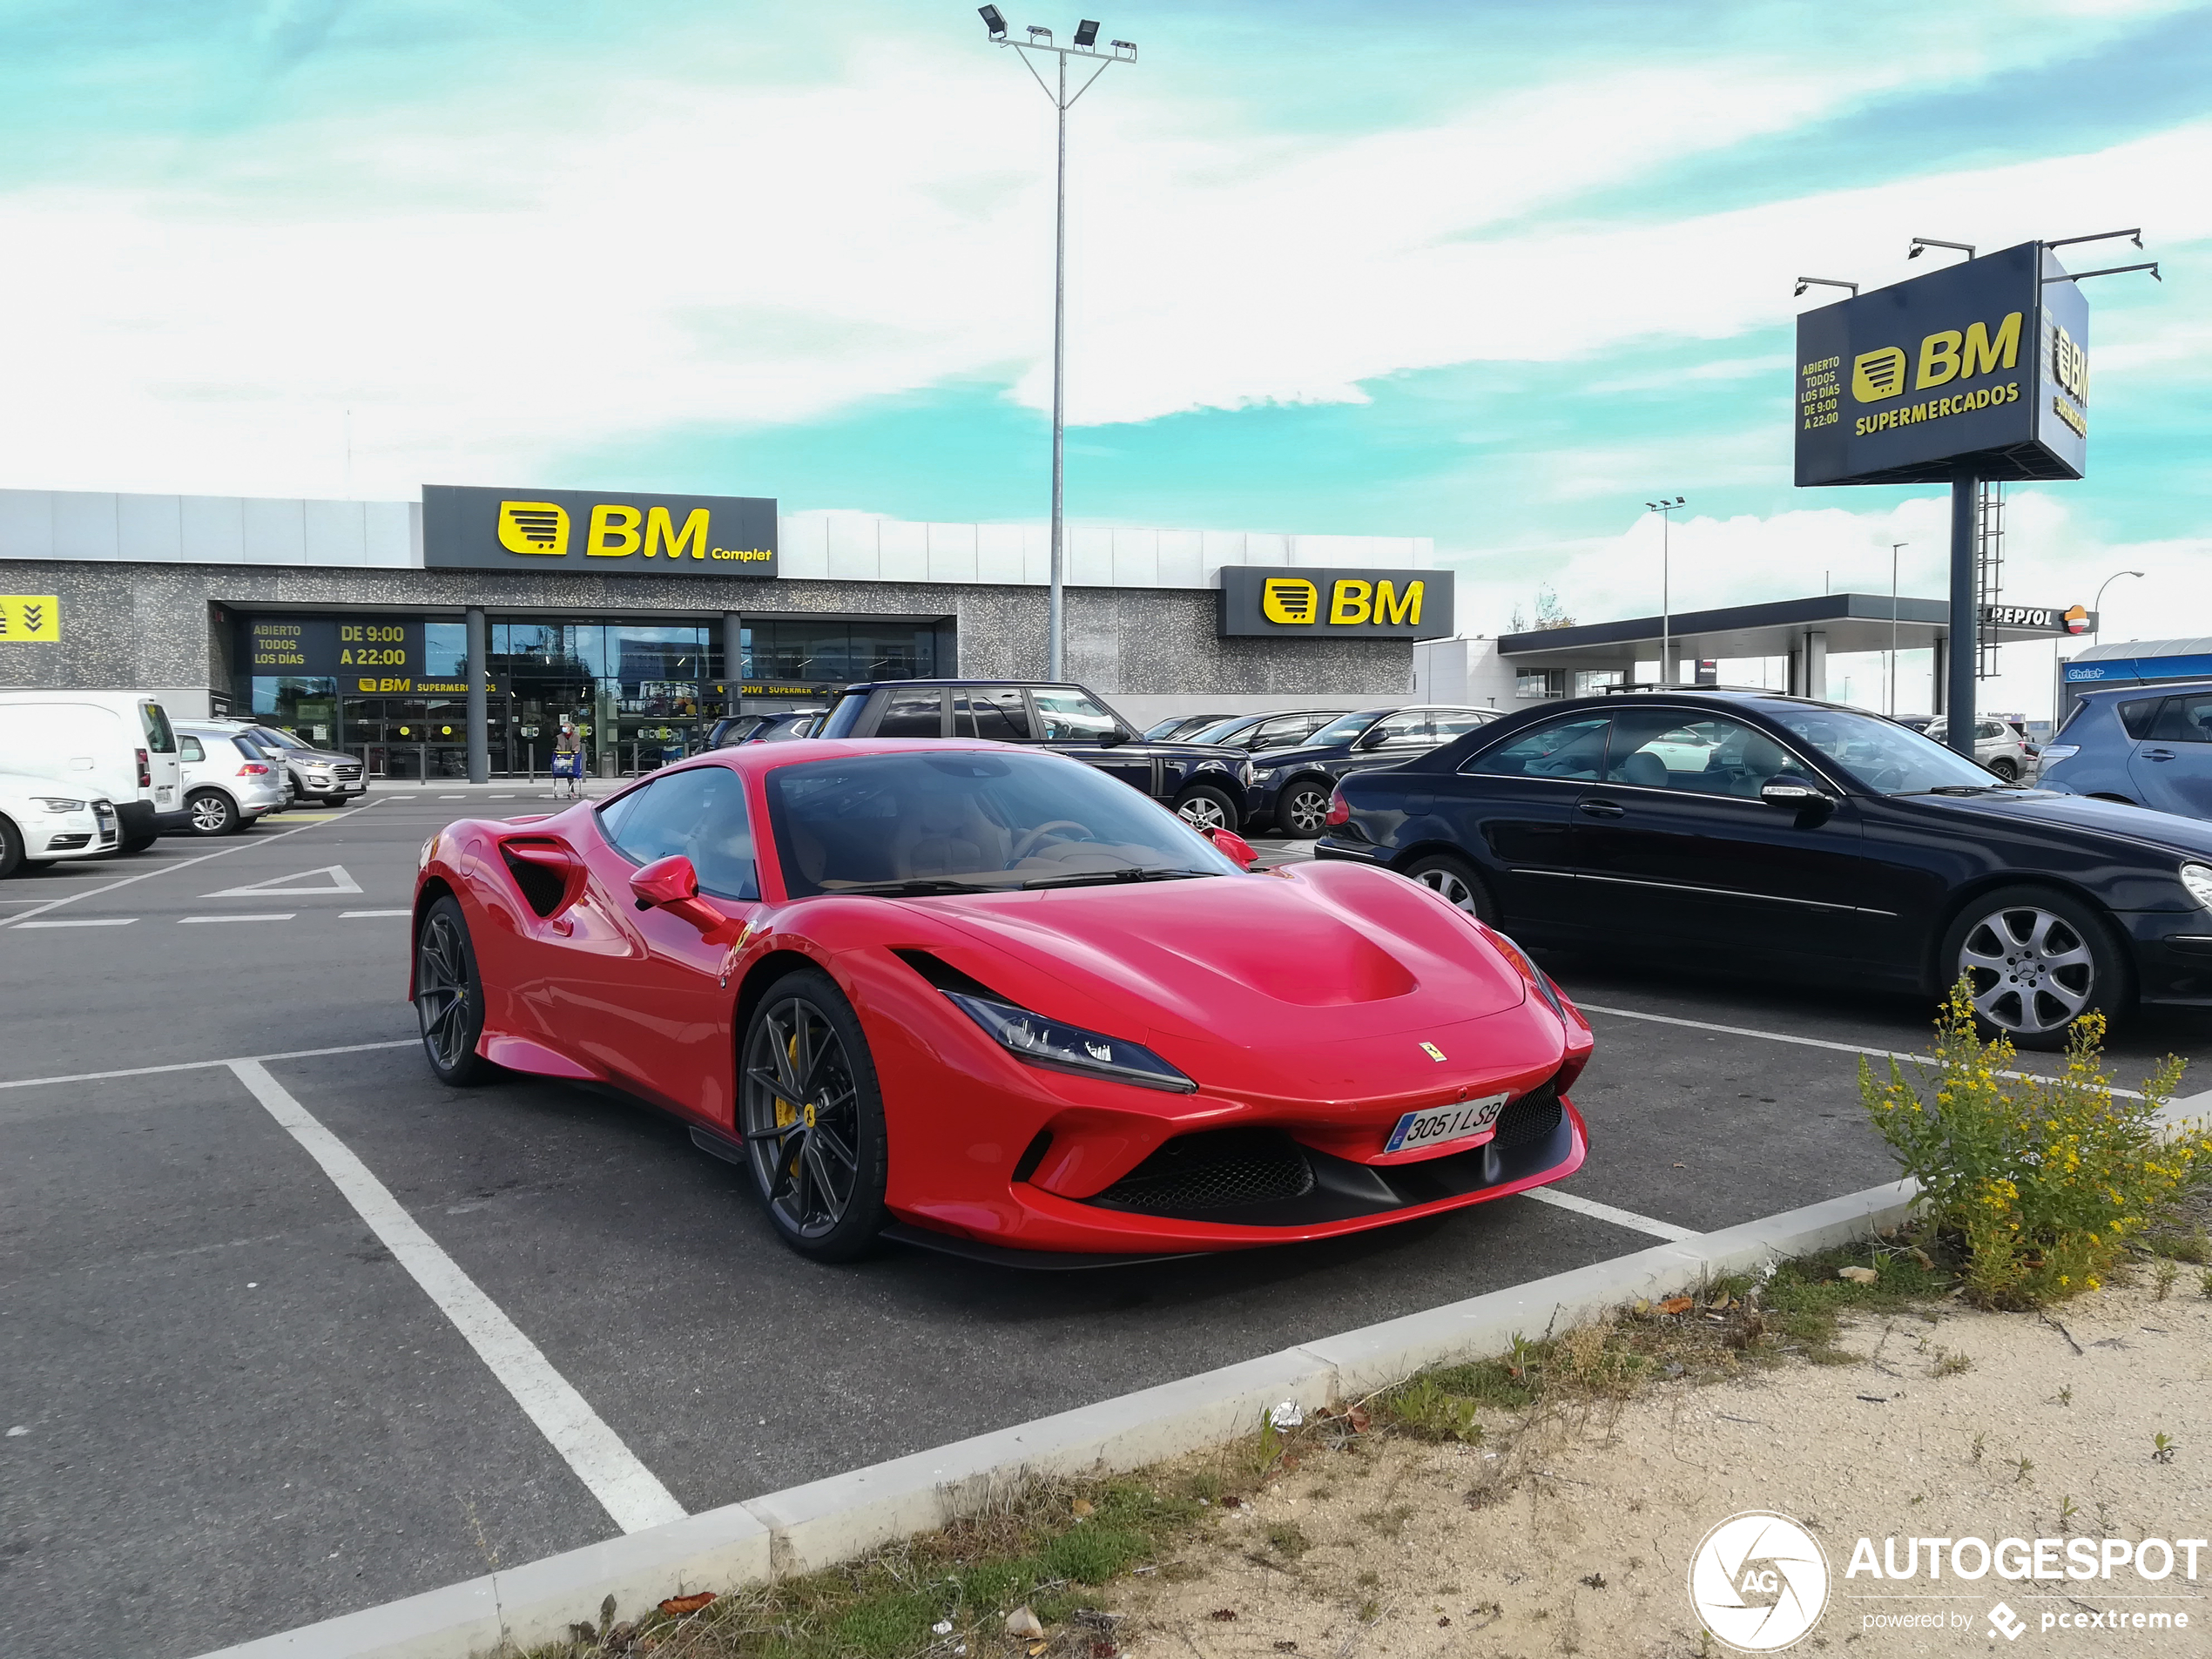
(334, 879)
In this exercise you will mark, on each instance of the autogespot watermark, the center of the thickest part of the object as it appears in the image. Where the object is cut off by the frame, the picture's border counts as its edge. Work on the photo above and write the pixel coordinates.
(1760, 1582)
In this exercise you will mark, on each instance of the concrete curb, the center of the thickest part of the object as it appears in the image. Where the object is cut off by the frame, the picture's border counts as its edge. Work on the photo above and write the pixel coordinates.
(806, 1528)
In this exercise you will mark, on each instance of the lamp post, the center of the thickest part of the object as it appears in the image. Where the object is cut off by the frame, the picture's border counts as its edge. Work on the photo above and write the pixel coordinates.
(1893, 548)
(1122, 51)
(2097, 606)
(1665, 508)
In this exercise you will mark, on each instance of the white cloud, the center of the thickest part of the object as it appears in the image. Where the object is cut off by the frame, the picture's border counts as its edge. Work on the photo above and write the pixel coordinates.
(508, 287)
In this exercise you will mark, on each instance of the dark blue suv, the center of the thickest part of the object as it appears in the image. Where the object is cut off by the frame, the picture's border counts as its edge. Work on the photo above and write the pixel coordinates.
(1210, 786)
(2150, 745)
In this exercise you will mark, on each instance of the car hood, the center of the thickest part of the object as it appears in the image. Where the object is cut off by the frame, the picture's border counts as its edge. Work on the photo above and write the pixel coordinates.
(2160, 831)
(1284, 981)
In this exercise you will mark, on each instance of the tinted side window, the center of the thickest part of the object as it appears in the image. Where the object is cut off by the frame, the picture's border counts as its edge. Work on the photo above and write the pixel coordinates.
(918, 713)
(1406, 731)
(1278, 733)
(1572, 747)
(700, 813)
(995, 716)
(188, 749)
(1066, 716)
(1455, 724)
(158, 737)
(2138, 717)
(2185, 719)
(1654, 749)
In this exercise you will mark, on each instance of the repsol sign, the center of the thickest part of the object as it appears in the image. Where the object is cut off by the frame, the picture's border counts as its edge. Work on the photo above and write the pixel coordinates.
(1979, 367)
(597, 532)
(1297, 603)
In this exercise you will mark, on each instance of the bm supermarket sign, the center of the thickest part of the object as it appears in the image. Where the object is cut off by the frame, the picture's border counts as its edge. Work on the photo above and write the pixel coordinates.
(1981, 368)
(1335, 605)
(596, 532)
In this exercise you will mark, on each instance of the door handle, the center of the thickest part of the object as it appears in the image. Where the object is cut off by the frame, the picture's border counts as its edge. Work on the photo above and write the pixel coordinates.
(1600, 808)
(2158, 754)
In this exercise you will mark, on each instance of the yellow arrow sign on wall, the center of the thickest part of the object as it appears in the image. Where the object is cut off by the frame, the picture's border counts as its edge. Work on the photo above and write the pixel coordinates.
(25, 617)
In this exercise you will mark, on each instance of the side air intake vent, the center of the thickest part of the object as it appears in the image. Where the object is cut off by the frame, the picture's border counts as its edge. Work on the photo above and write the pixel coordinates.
(1214, 1170)
(942, 974)
(543, 878)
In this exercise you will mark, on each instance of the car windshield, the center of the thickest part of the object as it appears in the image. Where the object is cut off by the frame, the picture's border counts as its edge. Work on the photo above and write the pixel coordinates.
(1341, 731)
(967, 820)
(1883, 756)
(281, 739)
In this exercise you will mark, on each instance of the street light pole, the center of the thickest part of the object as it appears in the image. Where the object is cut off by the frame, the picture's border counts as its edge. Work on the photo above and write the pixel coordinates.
(1123, 51)
(1893, 548)
(1665, 508)
(2097, 606)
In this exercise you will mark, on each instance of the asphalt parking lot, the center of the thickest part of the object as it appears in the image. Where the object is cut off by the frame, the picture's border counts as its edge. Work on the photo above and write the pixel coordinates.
(231, 1408)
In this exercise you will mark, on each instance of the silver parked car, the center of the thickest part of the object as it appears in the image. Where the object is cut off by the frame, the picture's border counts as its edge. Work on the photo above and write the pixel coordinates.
(328, 775)
(229, 782)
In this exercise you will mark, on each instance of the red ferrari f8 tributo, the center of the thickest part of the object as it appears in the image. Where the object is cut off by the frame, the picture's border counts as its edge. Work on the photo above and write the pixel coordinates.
(992, 1000)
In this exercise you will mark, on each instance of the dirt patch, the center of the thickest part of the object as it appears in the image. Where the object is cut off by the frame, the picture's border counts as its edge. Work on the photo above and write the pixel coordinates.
(1567, 1525)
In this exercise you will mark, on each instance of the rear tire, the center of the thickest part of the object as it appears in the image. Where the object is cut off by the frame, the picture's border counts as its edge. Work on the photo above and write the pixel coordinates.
(11, 858)
(1454, 879)
(1302, 811)
(137, 843)
(2039, 960)
(2005, 767)
(1204, 808)
(211, 813)
(812, 1116)
(449, 997)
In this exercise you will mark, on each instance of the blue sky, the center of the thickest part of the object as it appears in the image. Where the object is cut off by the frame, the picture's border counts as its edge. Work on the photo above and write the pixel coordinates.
(1491, 274)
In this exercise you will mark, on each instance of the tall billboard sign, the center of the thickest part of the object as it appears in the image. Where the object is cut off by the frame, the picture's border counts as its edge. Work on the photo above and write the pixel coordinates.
(1979, 369)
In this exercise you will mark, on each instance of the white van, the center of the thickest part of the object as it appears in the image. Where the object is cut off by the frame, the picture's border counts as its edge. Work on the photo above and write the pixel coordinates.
(116, 743)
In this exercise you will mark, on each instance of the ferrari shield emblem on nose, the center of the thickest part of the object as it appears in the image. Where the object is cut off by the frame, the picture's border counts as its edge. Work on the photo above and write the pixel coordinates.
(1433, 1051)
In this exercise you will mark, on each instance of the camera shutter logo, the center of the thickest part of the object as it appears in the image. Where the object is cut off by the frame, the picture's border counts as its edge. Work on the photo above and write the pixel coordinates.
(1290, 599)
(534, 527)
(1759, 1582)
(29, 618)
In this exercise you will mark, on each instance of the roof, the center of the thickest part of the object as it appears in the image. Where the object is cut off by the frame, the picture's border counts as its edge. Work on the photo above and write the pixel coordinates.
(1851, 622)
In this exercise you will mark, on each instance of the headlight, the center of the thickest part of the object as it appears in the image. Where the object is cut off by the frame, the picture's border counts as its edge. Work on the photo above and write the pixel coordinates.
(1246, 774)
(1540, 979)
(1061, 1047)
(57, 804)
(2197, 878)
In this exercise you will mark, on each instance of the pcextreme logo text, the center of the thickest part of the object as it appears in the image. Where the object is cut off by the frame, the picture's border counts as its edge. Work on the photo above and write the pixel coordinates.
(615, 531)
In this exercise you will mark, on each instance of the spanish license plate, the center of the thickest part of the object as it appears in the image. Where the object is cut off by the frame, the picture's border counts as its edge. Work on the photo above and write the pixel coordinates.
(1436, 1125)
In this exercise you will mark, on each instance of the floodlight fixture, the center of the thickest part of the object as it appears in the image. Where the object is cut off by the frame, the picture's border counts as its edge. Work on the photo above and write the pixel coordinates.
(1922, 244)
(994, 20)
(1037, 28)
(1125, 48)
(1826, 282)
(1086, 33)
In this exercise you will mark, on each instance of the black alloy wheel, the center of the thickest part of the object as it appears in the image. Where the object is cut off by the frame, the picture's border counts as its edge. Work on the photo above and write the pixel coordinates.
(2005, 767)
(1454, 879)
(2036, 961)
(11, 849)
(1204, 808)
(449, 997)
(211, 812)
(1303, 811)
(812, 1118)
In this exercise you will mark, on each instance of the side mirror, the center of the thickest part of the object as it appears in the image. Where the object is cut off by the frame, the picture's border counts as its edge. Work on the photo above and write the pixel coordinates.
(1109, 739)
(1232, 845)
(672, 885)
(1796, 794)
(1372, 739)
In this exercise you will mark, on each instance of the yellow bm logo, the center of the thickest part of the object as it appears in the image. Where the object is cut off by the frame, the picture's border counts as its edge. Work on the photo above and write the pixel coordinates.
(1945, 355)
(1295, 601)
(615, 532)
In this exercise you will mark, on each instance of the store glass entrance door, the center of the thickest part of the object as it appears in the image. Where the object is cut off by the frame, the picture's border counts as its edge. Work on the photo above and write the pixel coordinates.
(418, 737)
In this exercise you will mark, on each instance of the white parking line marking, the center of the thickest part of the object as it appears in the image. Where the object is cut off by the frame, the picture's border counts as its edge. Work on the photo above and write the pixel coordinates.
(349, 915)
(334, 879)
(160, 866)
(207, 1065)
(85, 921)
(1627, 1218)
(188, 921)
(1803, 1042)
(629, 1491)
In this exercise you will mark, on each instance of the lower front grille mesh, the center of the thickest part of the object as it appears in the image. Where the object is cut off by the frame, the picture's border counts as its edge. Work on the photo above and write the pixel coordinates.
(1215, 1169)
(1532, 1117)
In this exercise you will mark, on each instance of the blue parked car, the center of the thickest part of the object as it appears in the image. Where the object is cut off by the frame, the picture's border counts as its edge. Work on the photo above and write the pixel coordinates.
(2150, 745)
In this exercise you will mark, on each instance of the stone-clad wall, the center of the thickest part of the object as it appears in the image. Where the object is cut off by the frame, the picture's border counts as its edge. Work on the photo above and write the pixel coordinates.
(157, 626)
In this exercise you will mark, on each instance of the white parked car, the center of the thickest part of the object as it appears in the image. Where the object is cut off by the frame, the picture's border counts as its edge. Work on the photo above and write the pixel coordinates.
(112, 744)
(41, 821)
(229, 783)
(1999, 745)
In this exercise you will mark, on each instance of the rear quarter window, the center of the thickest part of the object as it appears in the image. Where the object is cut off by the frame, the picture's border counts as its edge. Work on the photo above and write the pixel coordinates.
(2139, 716)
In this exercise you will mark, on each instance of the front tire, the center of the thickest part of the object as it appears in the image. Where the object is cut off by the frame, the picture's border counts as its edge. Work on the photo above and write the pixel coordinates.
(1204, 808)
(449, 997)
(812, 1116)
(11, 860)
(2006, 768)
(2038, 960)
(211, 812)
(1302, 810)
(1457, 881)
(137, 843)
